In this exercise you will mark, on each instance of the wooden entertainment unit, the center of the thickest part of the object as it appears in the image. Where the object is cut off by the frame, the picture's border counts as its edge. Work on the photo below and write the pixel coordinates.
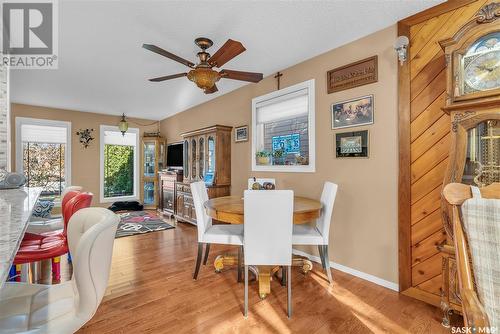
(205, 151)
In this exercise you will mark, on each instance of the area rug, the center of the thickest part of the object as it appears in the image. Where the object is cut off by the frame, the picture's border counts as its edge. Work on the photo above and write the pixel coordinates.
(139, 222)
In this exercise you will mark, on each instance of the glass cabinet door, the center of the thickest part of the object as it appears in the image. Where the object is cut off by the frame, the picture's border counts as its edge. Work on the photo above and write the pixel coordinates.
(482, 159)
(149, 159)
(186, 159)
(149, 193)
(161, 156)
(201, 158)
(193, 158)
(211, 154)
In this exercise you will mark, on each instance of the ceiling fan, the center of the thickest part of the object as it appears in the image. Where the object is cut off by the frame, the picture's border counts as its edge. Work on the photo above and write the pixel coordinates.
(203, 74)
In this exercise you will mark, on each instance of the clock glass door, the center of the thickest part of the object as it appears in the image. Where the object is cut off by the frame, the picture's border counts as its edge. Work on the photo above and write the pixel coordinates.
(481, 65)
(482, 160)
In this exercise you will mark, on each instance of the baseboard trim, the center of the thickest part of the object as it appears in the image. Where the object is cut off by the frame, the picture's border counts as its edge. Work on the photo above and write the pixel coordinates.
(351, 271)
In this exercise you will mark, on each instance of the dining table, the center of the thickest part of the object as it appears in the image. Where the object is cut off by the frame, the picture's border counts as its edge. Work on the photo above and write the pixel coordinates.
(230, 209)
(16, 206)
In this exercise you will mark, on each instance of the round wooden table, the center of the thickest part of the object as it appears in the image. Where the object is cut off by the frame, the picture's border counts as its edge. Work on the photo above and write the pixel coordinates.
(229, 209)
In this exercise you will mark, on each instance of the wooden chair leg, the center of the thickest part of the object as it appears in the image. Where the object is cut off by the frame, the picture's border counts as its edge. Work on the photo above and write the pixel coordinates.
(198, 260)
(240, 257)
(327, 264)
(283, 276)
(207, 250)
(289, 290)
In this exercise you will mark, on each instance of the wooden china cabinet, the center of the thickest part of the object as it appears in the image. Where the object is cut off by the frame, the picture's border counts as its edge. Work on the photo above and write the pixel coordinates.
(473, 102)
(206, 151)
(152, 161)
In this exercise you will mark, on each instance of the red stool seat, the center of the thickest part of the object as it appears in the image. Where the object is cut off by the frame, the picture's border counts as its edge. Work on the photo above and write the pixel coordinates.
(44, 250)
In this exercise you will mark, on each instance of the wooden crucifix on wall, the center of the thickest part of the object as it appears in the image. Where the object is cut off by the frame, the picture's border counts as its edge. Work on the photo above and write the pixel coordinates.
(277, 77)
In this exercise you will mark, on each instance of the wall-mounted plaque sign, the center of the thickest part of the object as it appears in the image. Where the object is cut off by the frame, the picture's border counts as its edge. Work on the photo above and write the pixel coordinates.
(356, 74)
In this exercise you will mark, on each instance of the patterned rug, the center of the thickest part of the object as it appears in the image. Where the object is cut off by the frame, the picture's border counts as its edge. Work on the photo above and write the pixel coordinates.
(139, 222)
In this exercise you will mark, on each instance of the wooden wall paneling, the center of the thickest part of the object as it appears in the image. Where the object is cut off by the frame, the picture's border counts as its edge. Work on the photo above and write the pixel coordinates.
(435, 88)
(424, 130)
(430, 137)
(427, 269)
(404, 185)
(426, 248)
(429, 181)
(427, 161)
(428, 117)
(427, 226)
(426, 205)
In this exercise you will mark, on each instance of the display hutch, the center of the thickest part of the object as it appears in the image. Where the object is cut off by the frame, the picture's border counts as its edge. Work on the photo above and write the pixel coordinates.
(152, 161)
(473, 102)
(207, 157)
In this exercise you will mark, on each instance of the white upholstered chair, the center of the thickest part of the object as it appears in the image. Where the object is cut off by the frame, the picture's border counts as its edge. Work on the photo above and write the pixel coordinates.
(268, 233)
(225, 234)
(318, 234)
(39, 225)
(64, 308)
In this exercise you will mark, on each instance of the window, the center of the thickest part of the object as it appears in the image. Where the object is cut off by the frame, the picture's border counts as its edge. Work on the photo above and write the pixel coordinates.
(119, 164)
(43, 151)
(283, 130)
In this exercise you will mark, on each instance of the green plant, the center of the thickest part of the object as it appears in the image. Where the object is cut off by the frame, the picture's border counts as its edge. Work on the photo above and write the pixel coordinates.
(278, 153)
(263, 154)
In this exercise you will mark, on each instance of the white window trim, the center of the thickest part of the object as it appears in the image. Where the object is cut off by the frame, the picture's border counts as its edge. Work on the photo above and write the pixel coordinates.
(47, 122)
(135, 196)
(311, 168)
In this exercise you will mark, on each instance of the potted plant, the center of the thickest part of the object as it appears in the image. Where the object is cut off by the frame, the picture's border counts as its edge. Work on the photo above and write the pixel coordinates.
(262, 157)
(278, 157)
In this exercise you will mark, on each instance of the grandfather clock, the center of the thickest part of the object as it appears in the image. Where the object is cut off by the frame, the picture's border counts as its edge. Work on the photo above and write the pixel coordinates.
(473, 102)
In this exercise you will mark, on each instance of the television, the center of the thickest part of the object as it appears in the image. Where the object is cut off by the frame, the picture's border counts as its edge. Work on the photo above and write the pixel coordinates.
(175, 155)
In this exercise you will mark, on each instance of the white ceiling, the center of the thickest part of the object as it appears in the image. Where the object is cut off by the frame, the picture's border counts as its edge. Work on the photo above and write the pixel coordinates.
(102, 67)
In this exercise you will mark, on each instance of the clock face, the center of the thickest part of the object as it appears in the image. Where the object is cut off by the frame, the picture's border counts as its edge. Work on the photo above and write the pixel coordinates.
(482, 71)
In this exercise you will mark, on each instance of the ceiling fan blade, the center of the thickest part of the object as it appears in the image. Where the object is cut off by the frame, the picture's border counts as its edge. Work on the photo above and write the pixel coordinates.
(167, 54)
(211, 90)
(168, 77)
(228, 51)
(243, 76)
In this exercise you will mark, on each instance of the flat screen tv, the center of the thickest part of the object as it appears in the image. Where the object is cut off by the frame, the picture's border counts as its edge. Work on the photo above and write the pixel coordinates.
(174, 155)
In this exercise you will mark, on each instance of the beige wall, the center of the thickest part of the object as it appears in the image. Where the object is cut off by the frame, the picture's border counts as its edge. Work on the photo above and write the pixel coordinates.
(85, 170)
(364, 231)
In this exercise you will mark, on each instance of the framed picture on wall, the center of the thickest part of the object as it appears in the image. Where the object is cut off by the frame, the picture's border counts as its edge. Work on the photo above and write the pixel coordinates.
(355, 112)
(241, 133)
(351, 144)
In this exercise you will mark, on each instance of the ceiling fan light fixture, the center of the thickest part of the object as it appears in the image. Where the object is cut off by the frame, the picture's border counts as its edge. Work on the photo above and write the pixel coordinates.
(204, 78)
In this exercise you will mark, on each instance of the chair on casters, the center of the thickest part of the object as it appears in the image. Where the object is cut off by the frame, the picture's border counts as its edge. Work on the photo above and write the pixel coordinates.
(318, 234)
(225, 234)
(65, 308)
(268, 233)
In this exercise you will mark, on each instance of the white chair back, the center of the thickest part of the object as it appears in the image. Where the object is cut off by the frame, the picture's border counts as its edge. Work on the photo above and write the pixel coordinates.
(261, 181)
(91, 235)
(200, 196)
(268, 227)
(327, 201)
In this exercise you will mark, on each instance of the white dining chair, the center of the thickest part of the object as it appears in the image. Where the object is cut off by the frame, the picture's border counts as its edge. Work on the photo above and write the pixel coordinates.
(225, 234)
(66, 307)
(268, 224)
(318, 234)
(39, 225)
(261, 181)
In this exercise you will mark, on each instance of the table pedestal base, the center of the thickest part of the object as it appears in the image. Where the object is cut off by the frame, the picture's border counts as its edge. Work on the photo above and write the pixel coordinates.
(264, 273)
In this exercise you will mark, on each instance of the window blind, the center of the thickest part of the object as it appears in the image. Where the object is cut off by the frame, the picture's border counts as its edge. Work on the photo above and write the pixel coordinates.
(116, 138)
(43, 134)
(283, 107)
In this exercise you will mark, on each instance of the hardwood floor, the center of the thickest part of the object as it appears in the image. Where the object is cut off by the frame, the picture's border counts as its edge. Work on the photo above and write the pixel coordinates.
(151, 291)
